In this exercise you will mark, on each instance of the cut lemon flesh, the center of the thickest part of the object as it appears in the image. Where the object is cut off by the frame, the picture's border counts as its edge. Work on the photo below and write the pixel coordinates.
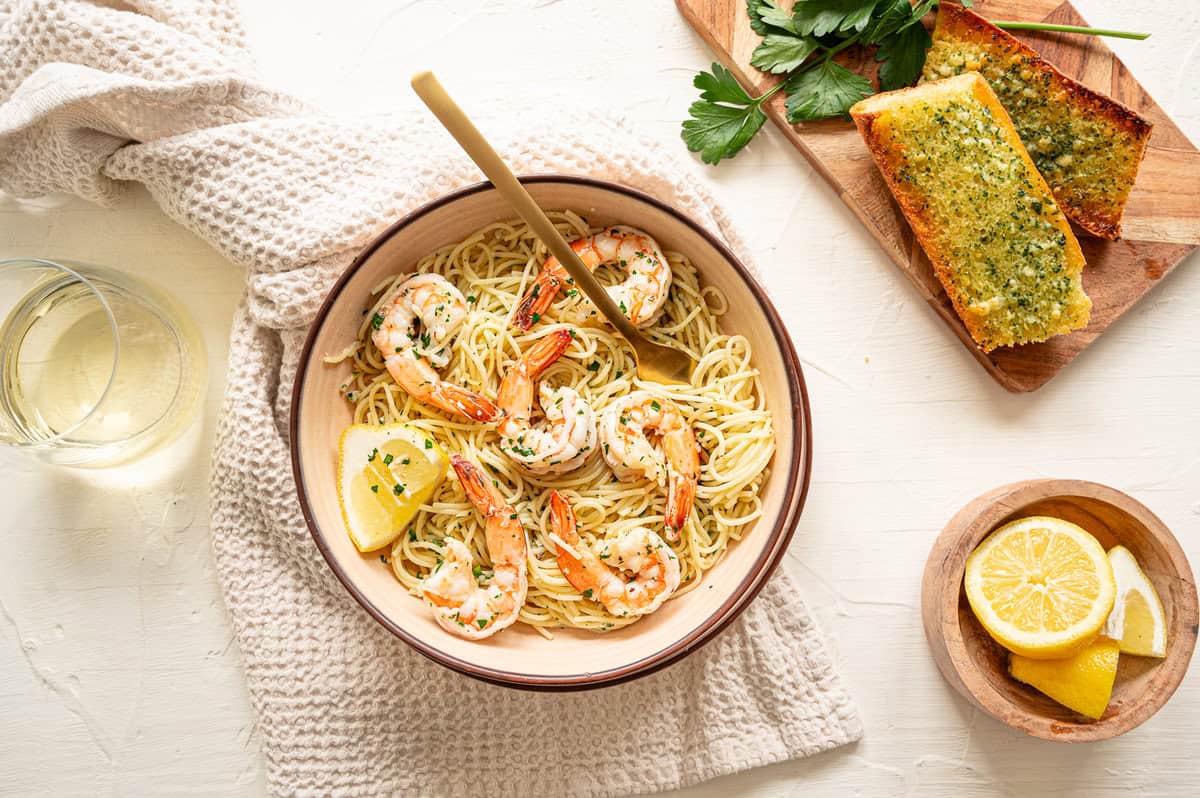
(1041, 586)
(385, 474)
(1137, 619)
(1082, 682)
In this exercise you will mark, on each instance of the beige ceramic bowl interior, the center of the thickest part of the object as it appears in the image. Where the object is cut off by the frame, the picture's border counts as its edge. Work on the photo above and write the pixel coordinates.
(977, 666)
(520, 656)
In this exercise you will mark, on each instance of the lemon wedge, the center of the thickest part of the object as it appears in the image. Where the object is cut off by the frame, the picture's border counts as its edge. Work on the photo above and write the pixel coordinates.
(1082, 682)
(1137, 619)
(385, 474)
(1042, 587)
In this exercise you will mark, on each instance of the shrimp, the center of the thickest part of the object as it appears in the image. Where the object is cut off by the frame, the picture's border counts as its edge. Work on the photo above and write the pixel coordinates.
(599, 576)
(631, 454)
(461, 606)
(413, 360)
(640, 297)
(572, 433)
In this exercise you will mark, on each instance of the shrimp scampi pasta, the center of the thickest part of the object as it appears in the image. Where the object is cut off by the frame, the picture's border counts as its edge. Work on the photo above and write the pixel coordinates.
(580, 495)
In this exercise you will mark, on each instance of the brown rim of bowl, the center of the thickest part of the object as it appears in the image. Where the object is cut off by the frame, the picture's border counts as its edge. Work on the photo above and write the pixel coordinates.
(798, 474)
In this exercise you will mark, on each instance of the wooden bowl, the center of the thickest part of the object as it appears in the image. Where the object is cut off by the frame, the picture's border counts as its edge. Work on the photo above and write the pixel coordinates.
(519, 656)
(977, 666)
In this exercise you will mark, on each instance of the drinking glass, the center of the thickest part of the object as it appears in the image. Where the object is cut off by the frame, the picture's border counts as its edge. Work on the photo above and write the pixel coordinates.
(96, 367)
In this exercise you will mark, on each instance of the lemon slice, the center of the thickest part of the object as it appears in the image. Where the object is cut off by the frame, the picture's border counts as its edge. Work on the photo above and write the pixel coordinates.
(1137, 619)
(385, 474)
(1042, 587)
(1082, 682)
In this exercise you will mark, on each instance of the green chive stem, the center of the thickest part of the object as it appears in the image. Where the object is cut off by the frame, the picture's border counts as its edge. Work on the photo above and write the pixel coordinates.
(1116, 34)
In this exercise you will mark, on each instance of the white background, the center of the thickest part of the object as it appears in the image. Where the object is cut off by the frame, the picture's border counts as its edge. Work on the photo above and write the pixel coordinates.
(118, 671)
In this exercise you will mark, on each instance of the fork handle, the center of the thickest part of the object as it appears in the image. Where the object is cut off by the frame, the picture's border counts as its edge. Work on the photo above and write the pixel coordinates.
(432, 93)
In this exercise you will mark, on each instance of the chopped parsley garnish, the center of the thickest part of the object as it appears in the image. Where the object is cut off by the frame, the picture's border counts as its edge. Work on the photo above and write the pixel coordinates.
(397, 489)
(594, 366)
(374, 488)
(377, 321)
(428, 444)
(387, 459)
(587, 593)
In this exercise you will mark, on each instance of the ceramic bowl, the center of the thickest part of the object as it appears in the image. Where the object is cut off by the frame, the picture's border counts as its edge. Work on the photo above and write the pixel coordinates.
(519, 656)
(977, 666)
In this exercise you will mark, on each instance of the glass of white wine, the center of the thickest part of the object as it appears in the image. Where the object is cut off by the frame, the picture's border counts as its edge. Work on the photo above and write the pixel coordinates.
(96, 367)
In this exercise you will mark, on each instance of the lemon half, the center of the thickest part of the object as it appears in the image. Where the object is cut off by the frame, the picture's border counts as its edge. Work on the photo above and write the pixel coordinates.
(385, 474)
(1042, 587)
(1137, 619)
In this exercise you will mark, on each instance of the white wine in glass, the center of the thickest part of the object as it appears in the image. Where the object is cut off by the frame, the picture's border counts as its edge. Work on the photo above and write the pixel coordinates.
(96, 367)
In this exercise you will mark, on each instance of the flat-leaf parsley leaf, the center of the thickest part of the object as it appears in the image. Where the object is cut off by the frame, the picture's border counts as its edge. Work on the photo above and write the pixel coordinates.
(724, 118)
(822, 17)
(829, 90)
(766, 17)
(779, 53)
(903, 55)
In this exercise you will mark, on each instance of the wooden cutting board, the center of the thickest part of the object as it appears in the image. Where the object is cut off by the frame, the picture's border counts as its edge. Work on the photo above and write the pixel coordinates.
(1162, 220)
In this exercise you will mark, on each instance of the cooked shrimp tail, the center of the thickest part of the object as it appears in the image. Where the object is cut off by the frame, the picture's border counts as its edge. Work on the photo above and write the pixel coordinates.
(456, 400)
(480, 490)
(543, 353)
(683, 457)
(562, 518)
(461, 604)
(538, 298)
(601, 577)
(505, 536)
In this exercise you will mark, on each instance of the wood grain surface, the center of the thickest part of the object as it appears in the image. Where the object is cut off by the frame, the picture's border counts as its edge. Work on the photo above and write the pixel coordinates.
(1161, 223)
(977, 667)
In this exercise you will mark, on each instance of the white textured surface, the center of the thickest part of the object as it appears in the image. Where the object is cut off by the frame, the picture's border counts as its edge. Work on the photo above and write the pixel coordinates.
(115, 671)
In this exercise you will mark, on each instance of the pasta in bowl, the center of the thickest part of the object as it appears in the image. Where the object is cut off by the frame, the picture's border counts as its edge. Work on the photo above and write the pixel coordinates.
(594, 526)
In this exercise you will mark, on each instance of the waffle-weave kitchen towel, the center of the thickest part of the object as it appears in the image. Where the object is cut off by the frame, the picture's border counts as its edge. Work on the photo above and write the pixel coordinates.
(96, 95)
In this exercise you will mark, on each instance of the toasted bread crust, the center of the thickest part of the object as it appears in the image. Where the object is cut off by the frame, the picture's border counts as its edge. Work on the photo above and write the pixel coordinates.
(893, 155)
(1092, 194)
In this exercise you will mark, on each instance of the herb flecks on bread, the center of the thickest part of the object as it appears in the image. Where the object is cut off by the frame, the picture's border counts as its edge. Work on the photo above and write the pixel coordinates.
(986, 218)
(1087, 146)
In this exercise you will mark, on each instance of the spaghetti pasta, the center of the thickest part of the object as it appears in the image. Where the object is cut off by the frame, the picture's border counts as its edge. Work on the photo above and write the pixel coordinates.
(724, 404)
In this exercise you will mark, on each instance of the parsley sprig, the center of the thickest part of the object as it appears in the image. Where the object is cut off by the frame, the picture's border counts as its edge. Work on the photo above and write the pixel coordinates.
(801, 45)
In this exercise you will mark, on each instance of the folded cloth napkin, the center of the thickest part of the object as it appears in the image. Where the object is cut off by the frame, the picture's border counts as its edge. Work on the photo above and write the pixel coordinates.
(163, 92)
